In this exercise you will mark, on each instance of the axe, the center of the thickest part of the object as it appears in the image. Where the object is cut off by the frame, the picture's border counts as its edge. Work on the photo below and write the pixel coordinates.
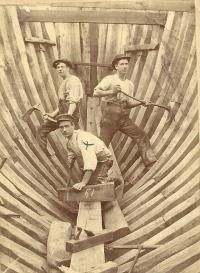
(37, 107)
(168, 108)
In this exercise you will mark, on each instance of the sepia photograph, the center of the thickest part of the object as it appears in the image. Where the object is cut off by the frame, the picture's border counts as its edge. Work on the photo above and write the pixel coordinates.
(99, 136)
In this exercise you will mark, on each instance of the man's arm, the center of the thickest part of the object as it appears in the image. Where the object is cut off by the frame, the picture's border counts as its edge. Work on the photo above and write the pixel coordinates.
(130, 105)
(86, 177)
(87, 148)
(102, 93)
(75, 96)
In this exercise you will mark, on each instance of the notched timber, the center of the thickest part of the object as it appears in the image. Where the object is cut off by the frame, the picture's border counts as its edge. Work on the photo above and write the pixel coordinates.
(91, 193)
(100, 238)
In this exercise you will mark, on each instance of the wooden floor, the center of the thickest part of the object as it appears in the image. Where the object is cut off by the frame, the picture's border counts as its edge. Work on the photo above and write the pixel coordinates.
(160, 205)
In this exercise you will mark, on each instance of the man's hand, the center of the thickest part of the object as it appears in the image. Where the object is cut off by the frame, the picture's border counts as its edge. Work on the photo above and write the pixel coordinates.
(146, 103)
(50, 115)
(79, 186)
(116, 89)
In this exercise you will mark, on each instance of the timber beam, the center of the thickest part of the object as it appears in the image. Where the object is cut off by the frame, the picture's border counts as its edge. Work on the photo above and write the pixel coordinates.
(100, 238)
(152, 46)
(156, 5)
(109, 267)
(36, 40)
(144, 246)
(91, 193)
(59, 15)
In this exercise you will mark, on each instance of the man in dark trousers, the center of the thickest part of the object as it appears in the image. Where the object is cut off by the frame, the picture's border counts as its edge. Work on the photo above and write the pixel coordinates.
(69, 95)
(115, 109)
(91, 153)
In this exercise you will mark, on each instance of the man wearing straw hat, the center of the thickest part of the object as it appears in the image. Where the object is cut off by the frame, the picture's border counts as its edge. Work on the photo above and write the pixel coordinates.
(69, 95)
(115, 109)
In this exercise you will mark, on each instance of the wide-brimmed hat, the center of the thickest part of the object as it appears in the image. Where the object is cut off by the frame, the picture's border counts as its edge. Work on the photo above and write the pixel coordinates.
(64, 117)
(118, 58)
(64, 60)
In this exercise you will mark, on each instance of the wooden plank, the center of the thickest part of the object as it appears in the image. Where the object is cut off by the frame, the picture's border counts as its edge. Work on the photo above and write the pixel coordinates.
(156, 190)
(162, 253)
(21, 237)
(111, 17)
(178, 262)
(89, 217)
(144, 246)
(109, 267)
(157, 232)
(37, 40)
(172, 5)
(32, 260)
(15, 265)
(99, 238)
(59, 234)
(114, 219)
(91, 193)
(140, 47)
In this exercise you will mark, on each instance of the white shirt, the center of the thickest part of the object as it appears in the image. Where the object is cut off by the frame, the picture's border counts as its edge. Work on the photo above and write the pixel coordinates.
(71, 89)
(110, 81)
(87, 149)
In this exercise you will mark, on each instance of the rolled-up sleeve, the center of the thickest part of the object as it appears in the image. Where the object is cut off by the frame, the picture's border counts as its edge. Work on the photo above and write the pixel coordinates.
(104, 85)
(76, 92)
(88, 153)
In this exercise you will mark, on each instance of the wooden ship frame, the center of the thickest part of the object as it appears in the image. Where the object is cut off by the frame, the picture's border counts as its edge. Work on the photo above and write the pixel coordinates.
(152, 224)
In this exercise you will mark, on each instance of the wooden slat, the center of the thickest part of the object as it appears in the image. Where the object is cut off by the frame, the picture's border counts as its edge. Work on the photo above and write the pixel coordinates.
(14, 264)
(158, 233)
(33, 261)
(112, 17)
(37, 40)
(155, 186)
(178, 262)
(20, 237)
(97, 239)
(91, 193)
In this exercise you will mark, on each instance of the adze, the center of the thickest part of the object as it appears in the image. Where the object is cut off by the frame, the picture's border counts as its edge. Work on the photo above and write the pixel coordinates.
(168, 108)
(37, 107)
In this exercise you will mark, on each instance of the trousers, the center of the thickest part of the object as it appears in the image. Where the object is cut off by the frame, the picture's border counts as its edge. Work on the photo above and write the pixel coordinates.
(115, 118)
(49, 126)
(100, 175)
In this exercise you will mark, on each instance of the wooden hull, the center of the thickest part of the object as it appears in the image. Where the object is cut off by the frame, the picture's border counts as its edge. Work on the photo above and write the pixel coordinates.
(160, 205)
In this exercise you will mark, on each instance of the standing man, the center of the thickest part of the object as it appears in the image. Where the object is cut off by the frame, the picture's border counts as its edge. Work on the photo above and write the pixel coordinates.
(115, 109)
(92, 155)
(69, 95)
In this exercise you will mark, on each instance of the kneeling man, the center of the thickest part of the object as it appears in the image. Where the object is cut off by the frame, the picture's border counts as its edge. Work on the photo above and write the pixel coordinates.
(92, 155)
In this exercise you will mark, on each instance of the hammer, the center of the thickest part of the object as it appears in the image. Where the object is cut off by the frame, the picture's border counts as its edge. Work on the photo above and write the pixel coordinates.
(37, 107)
